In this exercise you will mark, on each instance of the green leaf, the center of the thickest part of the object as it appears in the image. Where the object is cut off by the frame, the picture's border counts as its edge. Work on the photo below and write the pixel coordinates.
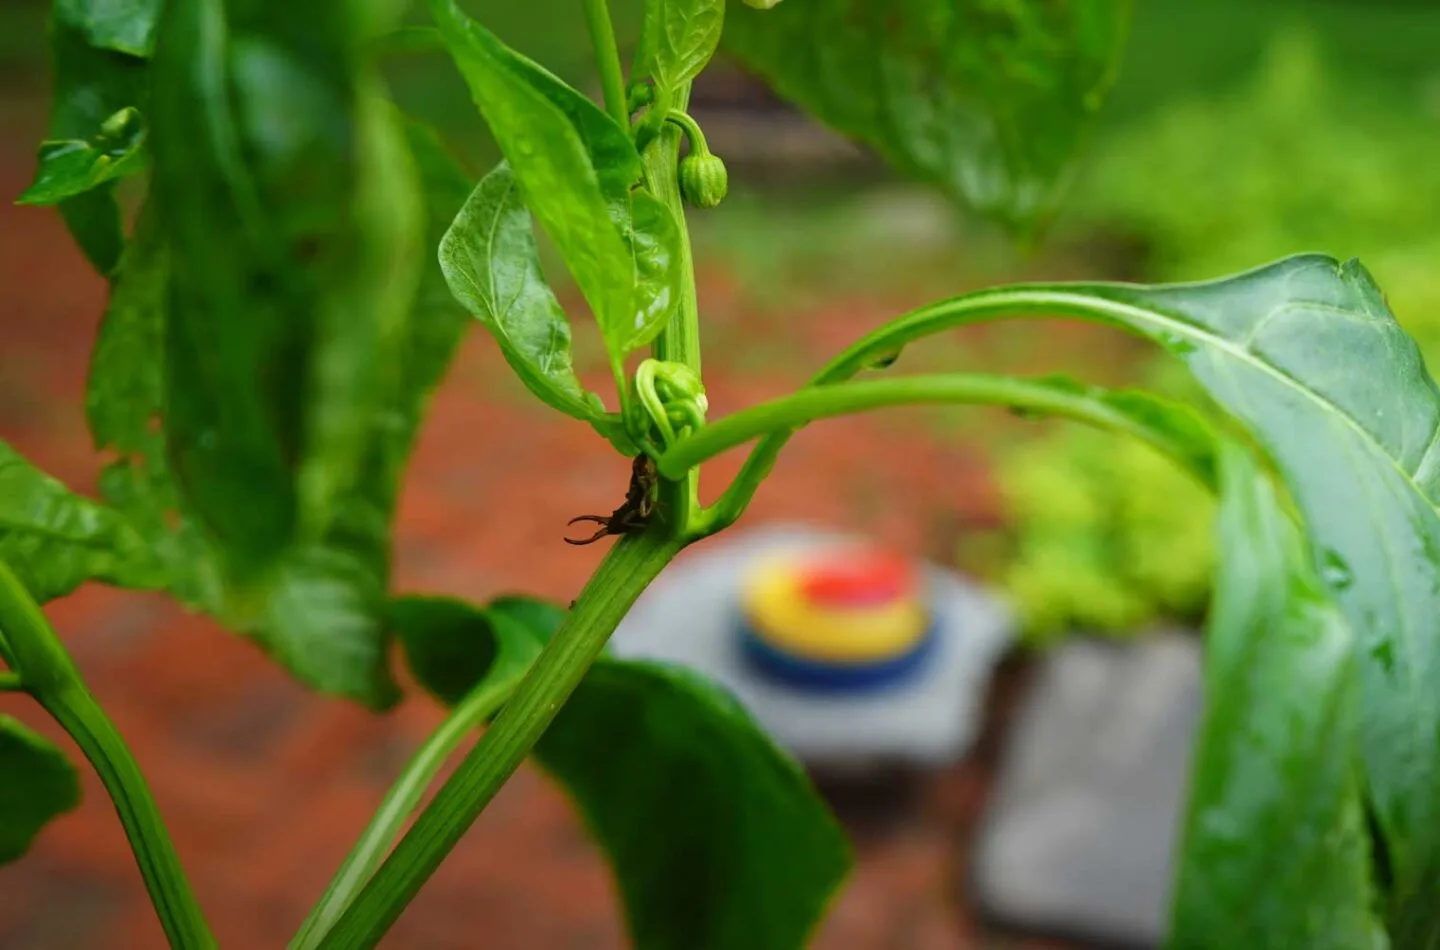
(491, 261)
(986, 98)
(291, 205)
(90, 86)
(93, 219)
(575, 169)
(1275, 852)
(40, 784)
(716, 836)
(321, 612)
(1307, 355)
(124, 26)
(74, 166)
(55, 540)
(452, 646)
(677, 39)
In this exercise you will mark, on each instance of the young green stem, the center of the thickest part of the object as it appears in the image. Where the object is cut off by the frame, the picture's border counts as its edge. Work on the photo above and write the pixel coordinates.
(607, 59)
(821, 402)
(1037, 300)
(679, 341)
(50, 676)
(630, 566)
(11, 683)
(385, 826)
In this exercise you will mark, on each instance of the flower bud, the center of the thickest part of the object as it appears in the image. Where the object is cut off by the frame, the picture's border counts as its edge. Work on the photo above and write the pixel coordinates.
(703, 179)
(761, 4)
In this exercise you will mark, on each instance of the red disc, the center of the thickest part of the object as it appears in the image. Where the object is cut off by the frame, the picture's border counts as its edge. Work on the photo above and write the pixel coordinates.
(856, 578)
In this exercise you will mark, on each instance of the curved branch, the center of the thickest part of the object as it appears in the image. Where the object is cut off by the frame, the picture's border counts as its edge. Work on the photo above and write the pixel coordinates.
(777, 419)
(50, 676)
(1033, 300)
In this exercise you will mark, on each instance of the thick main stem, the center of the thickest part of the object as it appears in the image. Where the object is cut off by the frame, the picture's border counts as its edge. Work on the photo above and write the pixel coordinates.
(51, 677)
(626, 571)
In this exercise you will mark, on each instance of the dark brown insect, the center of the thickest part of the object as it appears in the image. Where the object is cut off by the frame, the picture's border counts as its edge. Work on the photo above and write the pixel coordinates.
(634, 512)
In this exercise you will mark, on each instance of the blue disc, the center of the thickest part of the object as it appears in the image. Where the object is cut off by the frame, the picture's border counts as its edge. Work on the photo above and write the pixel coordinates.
(814, 676)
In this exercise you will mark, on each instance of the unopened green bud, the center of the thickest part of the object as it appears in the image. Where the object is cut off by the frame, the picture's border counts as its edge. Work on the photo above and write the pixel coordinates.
(761, 4)
(703, 179)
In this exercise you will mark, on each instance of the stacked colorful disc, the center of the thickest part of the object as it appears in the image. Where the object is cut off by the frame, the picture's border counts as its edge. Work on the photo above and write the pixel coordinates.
(842, 620)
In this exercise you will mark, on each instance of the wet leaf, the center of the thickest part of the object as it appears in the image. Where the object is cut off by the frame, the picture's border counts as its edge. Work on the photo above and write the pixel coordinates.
(1276, 768)
(988, 100)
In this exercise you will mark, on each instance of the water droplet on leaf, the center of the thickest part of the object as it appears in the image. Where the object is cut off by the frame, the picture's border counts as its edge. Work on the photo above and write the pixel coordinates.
(886, 360)
(1335, 572)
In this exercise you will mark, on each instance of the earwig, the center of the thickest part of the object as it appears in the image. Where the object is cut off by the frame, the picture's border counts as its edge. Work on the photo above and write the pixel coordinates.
(634, 512)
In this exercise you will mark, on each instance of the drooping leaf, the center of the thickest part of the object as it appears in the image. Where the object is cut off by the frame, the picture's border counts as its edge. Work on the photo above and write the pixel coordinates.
(677, 39)
(74, 166)
(491, 261)
(1275, 851)
(55, 540)
(716, 836)
(39, 785)
(321, 612)
(1306, 355)
(575, 169)
(290, 202)
(986, 98)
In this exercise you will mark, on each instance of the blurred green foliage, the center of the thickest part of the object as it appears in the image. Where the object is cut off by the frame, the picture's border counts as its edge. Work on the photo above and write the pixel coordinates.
(1297, 160)
(1105, 536)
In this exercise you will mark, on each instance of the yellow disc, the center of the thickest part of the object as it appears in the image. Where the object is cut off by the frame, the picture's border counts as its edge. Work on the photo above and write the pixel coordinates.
(783, 618)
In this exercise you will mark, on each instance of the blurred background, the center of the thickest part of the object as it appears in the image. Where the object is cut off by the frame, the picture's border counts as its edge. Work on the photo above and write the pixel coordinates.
(1240, 131)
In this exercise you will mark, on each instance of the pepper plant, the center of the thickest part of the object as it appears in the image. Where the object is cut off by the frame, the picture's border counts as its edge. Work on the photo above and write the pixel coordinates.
(305, 260)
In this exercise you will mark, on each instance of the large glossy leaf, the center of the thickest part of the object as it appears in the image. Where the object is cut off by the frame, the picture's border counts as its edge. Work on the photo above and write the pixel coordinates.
(1275, 850)
(1307, 356)
(987, 99)
(321, 611)
(290, 202)
(490, 258)
(575, 168)
(677, 39)
(717, 838)
(55, 540)
(39, 784)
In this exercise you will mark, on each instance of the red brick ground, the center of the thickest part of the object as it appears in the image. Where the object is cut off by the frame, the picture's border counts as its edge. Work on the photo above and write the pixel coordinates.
(265, 786)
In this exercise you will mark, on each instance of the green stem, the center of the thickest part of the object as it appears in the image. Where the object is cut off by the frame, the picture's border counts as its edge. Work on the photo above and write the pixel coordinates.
(11, 683)
(607, 58)
(51, 677)
(679, 341)
(692, 130)
(629, 567)
(400, 802)
(1036, 300)
(821, 402)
